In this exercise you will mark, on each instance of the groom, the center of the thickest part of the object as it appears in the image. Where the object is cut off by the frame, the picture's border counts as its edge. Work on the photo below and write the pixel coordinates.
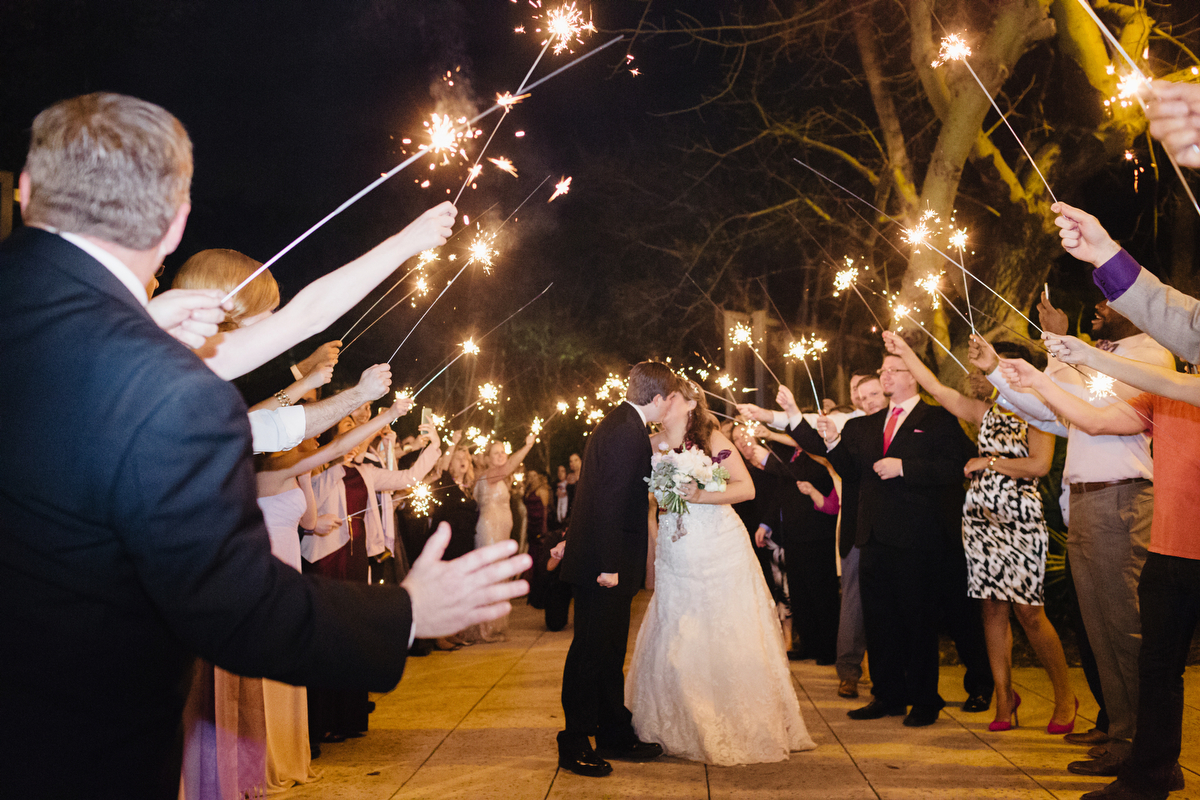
(605, 562)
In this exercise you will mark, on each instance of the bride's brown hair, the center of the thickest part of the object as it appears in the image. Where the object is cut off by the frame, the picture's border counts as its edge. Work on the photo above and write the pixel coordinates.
(701, 422)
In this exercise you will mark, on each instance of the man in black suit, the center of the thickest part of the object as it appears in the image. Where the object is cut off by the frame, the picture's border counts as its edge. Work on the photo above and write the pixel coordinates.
(908, 459)
(145, 547)
(605, 563)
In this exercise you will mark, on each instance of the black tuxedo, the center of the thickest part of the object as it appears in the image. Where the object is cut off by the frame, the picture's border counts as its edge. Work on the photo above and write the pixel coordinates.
(809, 541)
(139, 544)
(608, 533)
(909, 530)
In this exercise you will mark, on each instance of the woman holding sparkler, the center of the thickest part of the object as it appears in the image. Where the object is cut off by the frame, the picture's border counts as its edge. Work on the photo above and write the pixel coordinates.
(495, 514)
(709, 679)
(1004, 534)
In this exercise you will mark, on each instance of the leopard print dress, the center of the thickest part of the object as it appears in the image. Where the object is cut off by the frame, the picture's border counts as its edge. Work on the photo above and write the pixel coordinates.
(1004, 531)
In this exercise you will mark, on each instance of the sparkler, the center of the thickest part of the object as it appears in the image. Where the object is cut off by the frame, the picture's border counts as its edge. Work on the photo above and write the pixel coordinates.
(930, 284)
(955, 49)
(381, 316)
(1100, 386)
(848, 279)
(901, 310)
(468, 348)
(420, 263)
(421, 500)
(958, 240)
(402, 165)
(535, 427)
(482, 252)
(489, 394)
(503, 163)
(560, 188)
(743, 335)
(801, 350)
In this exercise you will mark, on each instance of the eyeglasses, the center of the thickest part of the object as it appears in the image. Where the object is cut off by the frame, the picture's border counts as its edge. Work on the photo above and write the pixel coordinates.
(890, 371)
(158, 272)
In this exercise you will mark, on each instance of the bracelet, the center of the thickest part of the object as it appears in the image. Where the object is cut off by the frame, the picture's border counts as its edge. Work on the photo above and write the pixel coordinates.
(992, 463)
(284, 400)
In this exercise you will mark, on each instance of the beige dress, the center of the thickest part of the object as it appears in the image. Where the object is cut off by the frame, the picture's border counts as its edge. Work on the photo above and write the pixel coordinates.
(495, 525)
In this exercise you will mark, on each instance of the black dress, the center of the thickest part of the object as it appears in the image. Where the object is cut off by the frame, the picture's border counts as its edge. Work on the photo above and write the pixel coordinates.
(457, 507)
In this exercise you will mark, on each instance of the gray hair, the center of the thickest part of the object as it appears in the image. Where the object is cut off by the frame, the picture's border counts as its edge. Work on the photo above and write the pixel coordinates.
(110, 166)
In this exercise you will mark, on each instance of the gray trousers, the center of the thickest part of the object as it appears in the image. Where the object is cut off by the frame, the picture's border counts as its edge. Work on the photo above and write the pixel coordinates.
(1106, 543)
(852, 635)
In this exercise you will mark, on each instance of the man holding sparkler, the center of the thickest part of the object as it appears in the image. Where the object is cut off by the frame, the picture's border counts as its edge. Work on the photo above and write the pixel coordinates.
(156, 551)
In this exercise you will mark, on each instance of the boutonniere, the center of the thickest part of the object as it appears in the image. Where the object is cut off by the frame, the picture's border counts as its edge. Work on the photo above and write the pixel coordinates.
(918, 430)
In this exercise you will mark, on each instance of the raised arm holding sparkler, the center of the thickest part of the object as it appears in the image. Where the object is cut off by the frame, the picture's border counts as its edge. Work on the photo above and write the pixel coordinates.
(319, 304)
(1138, 374)
(958, 404)
(1116, 418)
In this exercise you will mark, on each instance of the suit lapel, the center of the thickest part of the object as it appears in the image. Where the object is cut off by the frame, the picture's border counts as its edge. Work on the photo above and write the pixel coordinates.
(904, 432)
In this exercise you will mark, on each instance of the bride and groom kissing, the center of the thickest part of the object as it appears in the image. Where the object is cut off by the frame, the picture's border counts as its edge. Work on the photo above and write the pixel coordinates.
(709, 678)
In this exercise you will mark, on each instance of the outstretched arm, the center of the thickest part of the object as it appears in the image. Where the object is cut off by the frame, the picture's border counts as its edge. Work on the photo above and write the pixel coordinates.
(1117, 418)
(320, 303)
(314, 379)
(350, 439)
(953, 401)
(518, 456)
(1138, 374)
(324, 414)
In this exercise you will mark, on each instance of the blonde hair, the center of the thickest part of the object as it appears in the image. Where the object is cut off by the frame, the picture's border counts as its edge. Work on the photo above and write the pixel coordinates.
(110, 166)
(224, 270)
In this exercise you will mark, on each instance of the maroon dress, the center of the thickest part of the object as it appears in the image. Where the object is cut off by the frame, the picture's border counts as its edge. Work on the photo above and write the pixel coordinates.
(336, 714)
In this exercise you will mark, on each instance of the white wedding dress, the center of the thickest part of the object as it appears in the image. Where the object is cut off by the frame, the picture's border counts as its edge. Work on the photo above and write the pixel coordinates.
(709, 680)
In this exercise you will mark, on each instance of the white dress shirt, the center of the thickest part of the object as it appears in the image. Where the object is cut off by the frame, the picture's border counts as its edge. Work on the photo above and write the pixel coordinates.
(1092, 459)
(114, 265)
(277, 429)
(781, 421)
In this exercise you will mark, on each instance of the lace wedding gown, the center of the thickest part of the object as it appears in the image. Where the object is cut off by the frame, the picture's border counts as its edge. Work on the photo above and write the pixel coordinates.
(709, 680)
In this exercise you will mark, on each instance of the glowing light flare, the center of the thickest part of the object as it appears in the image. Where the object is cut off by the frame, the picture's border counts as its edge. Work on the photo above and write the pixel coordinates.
(595, 416)
(504, 164)
(566, 26)
(482, 252)
(954, 48)
(562, 407)
(421, 500)
(444, 136)
(426, 257)
(844, 280)
(741, 335)
(1100, 386)
(438, 420)
(560, 188)
(535, 427)
(472, 433)
(404, 394)
(918, 235)
(958, 240)
(581, 405)
(724, 381)
(480, 441)
(470, 348)
(489, 394)
(930, 284)
(507, 100)
(422, 288)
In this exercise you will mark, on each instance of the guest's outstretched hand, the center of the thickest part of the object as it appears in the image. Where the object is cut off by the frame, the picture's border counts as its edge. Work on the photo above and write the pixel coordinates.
(1067, 349)
(1174, 114)
(189, 315)
(326, 352)
(1050, 318)
(751, 411)
(827, 429)
(432, 228)
(787, 402)
(1083, 236)
(448, 596)
(981, 354)
(1019, 372)
(375, 382)
(895, 344)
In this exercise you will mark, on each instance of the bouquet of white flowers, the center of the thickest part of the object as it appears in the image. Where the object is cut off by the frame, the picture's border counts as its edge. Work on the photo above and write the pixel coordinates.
(671, 469)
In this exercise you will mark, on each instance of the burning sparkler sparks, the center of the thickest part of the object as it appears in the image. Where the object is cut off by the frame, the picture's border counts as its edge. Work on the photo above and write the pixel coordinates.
(472, 433)
(958, 240)
(422, 288)
(489, 394)
(421, 500)
(1100, 386)
(844, 280)
(445, 137)
(404, 394)
(426, 257)
(561, 407)
(567, 26)
(535, 427)
(481, 441)
(560, 188)
(741, 335)
(724, 381)
(504, 164)
(918, 235)
(507, 100)
(930, 284)
(954, 48)
(470, 347)
(481, 251)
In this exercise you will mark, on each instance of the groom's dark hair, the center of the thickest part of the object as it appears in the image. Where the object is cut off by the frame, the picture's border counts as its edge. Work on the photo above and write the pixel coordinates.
(648, 379)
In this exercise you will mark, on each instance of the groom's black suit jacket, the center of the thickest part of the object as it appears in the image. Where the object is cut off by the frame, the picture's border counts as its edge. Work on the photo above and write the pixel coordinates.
(608, 529)
(130, 541)
(921, 510)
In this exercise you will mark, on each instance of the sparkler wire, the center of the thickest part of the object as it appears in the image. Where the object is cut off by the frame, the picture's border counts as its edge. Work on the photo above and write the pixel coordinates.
(381, 316)
(431, 305)
(380, 300)
(939, 343)
(406, 162)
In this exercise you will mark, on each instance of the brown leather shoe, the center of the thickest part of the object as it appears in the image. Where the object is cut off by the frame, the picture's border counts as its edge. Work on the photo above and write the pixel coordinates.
(1107, 765)
(1094, 736)
(1122, 791)
(848, 688)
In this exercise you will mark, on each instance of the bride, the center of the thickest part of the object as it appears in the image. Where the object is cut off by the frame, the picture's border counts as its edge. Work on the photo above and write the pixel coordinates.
(709, 679)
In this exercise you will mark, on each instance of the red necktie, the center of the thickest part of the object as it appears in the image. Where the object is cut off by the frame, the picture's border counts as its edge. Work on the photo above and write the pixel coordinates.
(890, 429)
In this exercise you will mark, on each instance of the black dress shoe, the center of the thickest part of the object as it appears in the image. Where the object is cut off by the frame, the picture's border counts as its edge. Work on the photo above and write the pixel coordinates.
(585, 763)
(1119, 790)
(1106, 766)
(630, 750)
(976, 703)
(876, 709)
(920, 716)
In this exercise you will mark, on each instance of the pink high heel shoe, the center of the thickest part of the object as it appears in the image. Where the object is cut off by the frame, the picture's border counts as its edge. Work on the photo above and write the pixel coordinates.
(1011, 722)
(1054, 728)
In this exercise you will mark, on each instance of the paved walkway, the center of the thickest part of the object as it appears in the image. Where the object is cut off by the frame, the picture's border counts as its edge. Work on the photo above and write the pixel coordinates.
(480, 723)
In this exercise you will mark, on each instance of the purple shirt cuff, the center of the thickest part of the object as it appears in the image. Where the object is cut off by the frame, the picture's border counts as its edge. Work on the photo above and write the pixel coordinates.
(1115, 276)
